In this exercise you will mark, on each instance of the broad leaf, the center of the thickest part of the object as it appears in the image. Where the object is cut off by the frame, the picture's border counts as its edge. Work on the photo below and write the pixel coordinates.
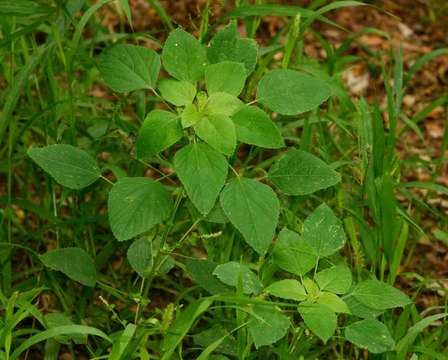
(69, 166)
(73, 262)
(371, 335)
(360, 310)
(140, 256)
(232, 273)
(135, 205)
(226, 76)
(320, 319)
(268, 325)
(203, 172)
(223, 104)
(287, 289)
(179, 93)
(290, 92)
(218, 131)
(159, 131)
(323, 231)
(337, 279)
(253, 208)
(126, 68)
(300, 173)
(333, 301)
(201, 272)
(291, 253)
(190, 116)
(379, 295)
(183, 56)
(253, 126)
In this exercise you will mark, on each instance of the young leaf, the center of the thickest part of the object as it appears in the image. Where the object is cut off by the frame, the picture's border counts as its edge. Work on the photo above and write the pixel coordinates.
(140, 256)
(268, 325)
(253, 126)
(253, 208)
(135, 205)
(127, 68)
(232, 273)
(69, 166)
(300, 173)
(378, 295)
(201, 272)
(223, 104)
(227, 46)
(179, 93)
(159, 131)
(320, 319)
(337, 279)
(291, 253)
(287, 289)
(226, 76)
(218, 131)
(203, 172)
(290, 92)
(190, 116)
(183, 56)
(333, 301)
(323, 231)
(73, 262)
(371, 335)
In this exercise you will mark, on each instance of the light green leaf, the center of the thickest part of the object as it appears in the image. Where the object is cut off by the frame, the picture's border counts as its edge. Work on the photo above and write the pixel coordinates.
(333, 301)
(360, 310)
(291, 253)
(73, 262)
(287, 289)
(120, 344)
(253, 208)
(218, 131)
(159, 131)
(310, 286)
(226, 76)
(190, 116)
(290, 92)
(337, 279)
(179, 93)
(378, 295)
(300, 173)
(56, 319)
(140, 256)
(69, 166)
(227, 46)
(201, 272)
(203, 172)
(231, 273)
(183, 56)
(223, 104)
(135, 205)
(371, 335)
(320, 319)
(323, 231)
(253, 126)
(268, 325)
(126, 68)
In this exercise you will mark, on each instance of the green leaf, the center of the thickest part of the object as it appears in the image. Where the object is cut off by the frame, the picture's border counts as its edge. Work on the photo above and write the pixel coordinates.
(227, 46)
(190, 116)
(287, 289)
(183, 56)
(201, 272)
(320, 319)
(126, 68)
(57, 319)
(231, 273)
(253, 208)
(226, 76)
(218, 131)
(179, 93)
(159, 131)
(203, 172)
(135, 205)
(323, 231)
(73, 262)
(337, 279)
(360, 310)
(378, 295)
(300, 173)
(291, 253)
(333, 301)
(140, 256)
(69, 166)
(223, 104)
(371, 335)
(253, 126)
(268, 325)
(290, 92)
